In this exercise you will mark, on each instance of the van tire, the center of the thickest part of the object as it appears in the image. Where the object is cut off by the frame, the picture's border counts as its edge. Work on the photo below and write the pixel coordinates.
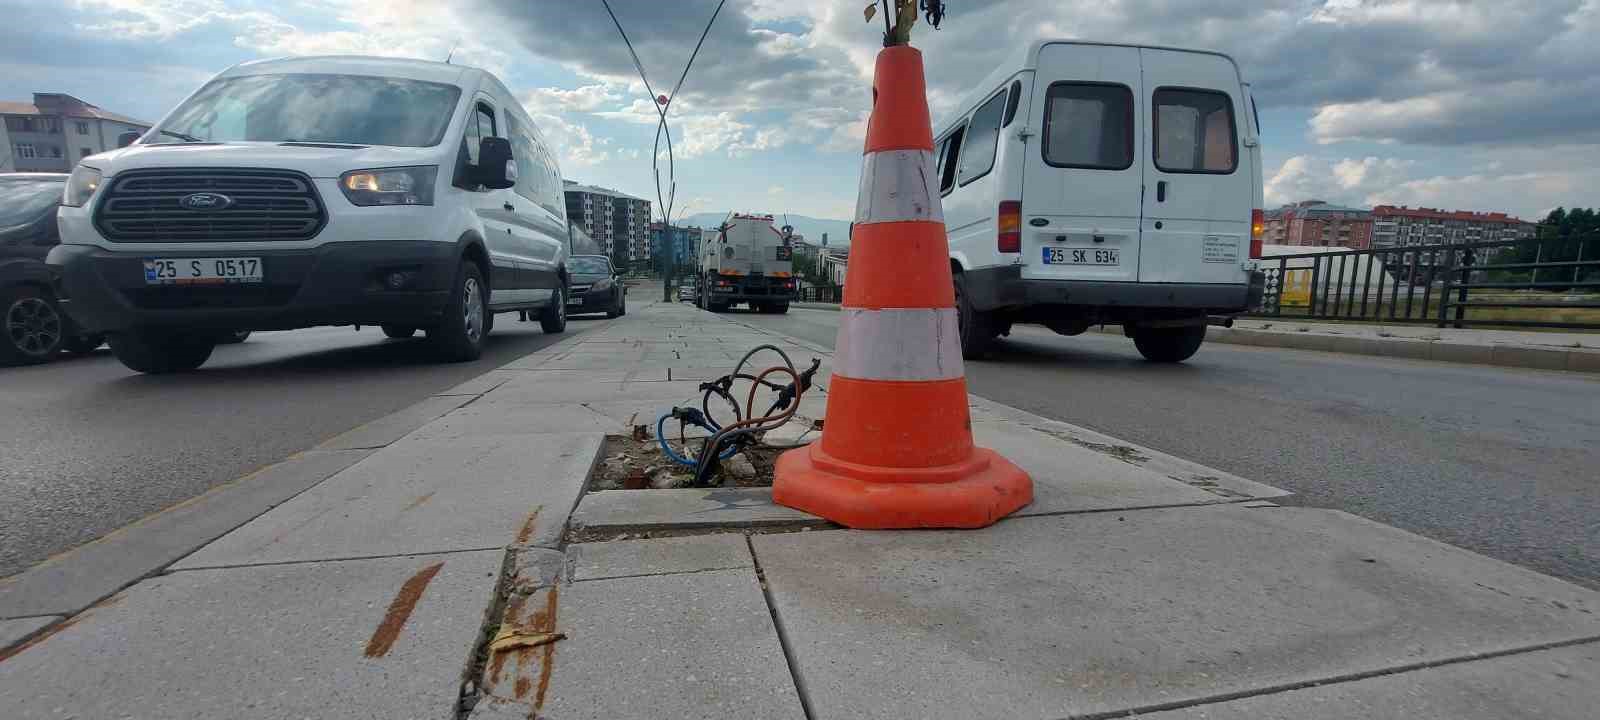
(553, 319)
(458, 337)
(1169, 344)
(161, 353)
(976, 327)
(399, 332)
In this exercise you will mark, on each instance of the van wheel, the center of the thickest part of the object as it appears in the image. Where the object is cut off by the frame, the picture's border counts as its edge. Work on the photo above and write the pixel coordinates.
(399, 332)
(32, 326)
(459, 336)
(162, 353)
(553, 319)
(1169, 345)
(976, 327)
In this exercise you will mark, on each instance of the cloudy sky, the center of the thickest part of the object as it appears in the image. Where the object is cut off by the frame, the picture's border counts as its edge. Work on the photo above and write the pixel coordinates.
(1472, 104)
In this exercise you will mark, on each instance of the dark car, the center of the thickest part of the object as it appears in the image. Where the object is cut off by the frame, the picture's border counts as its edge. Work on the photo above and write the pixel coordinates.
(32, 327)
(596, 287)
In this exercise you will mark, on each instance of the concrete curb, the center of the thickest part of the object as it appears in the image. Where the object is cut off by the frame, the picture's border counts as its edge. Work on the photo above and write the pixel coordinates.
(1514, 356)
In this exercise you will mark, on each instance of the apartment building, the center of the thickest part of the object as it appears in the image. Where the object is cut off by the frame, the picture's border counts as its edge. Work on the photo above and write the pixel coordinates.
(55, 131)
(1403, 226)
(1319, 224)
(618, 222)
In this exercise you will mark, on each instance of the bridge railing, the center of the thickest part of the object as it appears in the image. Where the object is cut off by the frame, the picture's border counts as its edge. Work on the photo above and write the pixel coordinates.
(1549, 282)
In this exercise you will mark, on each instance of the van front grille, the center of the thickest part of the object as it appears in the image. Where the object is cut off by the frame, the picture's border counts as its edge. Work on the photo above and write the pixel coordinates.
(266, 205)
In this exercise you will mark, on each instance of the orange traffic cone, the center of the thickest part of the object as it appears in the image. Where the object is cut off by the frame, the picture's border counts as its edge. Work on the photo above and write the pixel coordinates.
(896, 449)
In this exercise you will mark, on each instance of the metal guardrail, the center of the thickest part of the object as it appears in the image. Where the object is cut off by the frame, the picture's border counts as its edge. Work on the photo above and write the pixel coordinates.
(822, 293)
(1484, 283)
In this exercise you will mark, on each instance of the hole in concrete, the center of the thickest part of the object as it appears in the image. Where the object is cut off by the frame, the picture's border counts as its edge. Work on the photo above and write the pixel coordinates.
(628, 462)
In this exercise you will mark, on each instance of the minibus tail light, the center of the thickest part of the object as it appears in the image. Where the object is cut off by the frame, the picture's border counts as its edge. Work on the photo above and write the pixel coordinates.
(1010, 225)
(1258, 228)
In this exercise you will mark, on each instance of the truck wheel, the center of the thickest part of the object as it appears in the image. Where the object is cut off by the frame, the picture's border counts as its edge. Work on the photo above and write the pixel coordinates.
(1169, 345)
(778, 308)
(554, 317)
(459, 335)
(162, 353)
(976, 327)
(398, 332)
(32, 324)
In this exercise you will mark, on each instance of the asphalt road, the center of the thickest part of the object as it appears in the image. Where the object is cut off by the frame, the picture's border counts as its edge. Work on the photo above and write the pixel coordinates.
(1504, 462)
(87, 446)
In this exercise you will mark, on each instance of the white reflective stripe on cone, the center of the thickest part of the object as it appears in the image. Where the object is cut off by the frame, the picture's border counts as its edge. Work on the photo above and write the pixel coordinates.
(898, 186)
(898, 344)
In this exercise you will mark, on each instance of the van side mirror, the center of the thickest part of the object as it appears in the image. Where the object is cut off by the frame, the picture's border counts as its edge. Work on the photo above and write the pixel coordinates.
(128, 138)
(497, 170)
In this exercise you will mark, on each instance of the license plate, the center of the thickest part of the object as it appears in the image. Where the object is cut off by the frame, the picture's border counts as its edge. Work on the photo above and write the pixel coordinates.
(1082, 256)
(202, 271)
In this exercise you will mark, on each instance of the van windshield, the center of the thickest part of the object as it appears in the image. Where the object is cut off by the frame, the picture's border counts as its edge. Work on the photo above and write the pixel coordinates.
(344, 109)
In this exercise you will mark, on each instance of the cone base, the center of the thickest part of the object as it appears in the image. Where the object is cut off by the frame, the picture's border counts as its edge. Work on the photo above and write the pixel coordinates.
(990, 487)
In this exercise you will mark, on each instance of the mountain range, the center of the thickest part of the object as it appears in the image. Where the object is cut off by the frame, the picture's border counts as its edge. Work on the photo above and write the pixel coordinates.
(812, 228)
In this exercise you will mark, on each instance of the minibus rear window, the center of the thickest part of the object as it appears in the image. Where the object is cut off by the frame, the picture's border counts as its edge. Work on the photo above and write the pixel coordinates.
(1089, 125)
(1194, 131)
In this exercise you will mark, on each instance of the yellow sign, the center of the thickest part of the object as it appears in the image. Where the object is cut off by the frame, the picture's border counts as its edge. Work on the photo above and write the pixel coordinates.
(1295, 290)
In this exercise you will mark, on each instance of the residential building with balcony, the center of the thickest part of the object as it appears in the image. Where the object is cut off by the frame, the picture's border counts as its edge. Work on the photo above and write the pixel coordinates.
(55, 131)
(618, 222)
(1405, 226)
(1319, 224)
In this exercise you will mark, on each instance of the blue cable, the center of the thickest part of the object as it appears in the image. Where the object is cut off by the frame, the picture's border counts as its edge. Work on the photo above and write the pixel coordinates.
(661, 439)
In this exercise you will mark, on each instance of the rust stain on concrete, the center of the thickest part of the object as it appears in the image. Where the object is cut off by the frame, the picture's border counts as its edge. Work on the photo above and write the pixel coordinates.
(549, 618)
(400, 609)
(528, 525)
(415, 503)
(498, 662)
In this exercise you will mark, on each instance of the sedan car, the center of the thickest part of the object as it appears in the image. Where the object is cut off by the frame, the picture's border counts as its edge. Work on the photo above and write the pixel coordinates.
(596, 287)
(687, 292)
(32, 327)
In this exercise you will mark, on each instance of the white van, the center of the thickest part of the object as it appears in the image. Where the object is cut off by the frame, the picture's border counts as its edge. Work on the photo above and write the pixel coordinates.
(318, 191)
(1088, 183)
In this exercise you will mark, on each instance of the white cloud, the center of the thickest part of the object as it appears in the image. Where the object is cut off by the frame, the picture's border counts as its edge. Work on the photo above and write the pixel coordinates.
(1527, 185)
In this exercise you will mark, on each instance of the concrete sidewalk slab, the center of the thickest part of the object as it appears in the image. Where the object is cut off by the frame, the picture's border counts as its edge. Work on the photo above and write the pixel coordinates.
(987, 413)
(481, 420)
(78, 578)
(396, 425)
(617, 511)
(697, 645)
(534, 390)
(1551, 685)
(662, 556)
(386, 638)
(1116, 612)
(480, 384)
(15, 631)
(422, 496)
(1070, 478)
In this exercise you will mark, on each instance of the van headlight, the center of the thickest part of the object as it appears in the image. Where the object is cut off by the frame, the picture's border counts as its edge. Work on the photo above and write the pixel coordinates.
(390, 186)
(81, 186)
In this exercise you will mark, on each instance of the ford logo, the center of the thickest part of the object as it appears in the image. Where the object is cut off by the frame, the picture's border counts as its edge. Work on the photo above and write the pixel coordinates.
(205, 202)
